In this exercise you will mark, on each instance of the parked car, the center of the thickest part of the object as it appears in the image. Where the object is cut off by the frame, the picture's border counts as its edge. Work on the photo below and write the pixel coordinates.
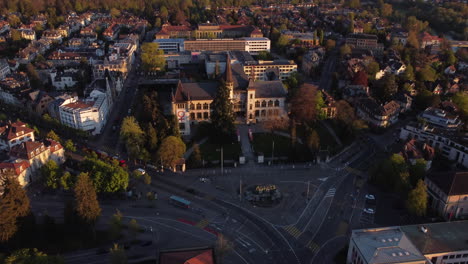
(204, 179)
(369, 211)
(142, 171)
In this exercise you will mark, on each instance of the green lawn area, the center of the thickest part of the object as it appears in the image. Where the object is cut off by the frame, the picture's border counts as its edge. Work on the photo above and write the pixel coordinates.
(263, 142)
(327, 141)
(209, 151)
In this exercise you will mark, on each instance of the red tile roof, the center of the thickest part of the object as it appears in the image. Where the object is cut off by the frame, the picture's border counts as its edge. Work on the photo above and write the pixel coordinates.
(17, 167)
(14, 130)
(27, 150)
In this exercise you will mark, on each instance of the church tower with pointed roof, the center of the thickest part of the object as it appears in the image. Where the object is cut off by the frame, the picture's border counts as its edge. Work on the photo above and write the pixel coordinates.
(228, 76)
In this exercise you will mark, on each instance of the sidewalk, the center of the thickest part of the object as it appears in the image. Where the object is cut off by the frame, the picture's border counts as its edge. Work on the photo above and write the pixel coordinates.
(245, 142)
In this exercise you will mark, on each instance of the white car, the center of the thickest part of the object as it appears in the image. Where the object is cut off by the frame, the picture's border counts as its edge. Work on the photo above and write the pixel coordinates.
(142, 171)
(370, 197)
(204, 180)
(369, 211)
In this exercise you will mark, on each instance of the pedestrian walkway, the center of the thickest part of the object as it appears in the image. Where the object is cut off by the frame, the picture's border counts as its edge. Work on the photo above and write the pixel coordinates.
(190, 150)
(247, 150)
(332, 132)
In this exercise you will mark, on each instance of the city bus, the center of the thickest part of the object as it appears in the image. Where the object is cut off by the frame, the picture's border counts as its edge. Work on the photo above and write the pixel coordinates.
(178, 201)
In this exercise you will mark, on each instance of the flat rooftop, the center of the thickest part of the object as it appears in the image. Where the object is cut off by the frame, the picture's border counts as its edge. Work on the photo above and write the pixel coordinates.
(440, 237)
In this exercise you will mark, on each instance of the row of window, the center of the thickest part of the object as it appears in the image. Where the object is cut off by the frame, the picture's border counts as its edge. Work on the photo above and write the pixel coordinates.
(264, 113)
(204, 115)
(264, 103)
(455, 256)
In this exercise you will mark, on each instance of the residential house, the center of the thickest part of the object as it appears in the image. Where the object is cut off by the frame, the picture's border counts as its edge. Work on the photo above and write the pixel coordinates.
(12, 134)
(448, 193)
(52, 35)
(4, 68)
(37, 153)
(63, 80)
(19, 168)
(375, 114)
(451, 144)
(39, 101)
(414, 150)
(440, 118)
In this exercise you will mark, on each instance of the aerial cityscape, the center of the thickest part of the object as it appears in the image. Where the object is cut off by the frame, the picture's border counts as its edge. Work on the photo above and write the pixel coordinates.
(233, 132)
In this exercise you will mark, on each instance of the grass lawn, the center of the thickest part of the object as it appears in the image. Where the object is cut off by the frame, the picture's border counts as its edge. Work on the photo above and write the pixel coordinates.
(263, 142)
(327, 141)
(230, 151)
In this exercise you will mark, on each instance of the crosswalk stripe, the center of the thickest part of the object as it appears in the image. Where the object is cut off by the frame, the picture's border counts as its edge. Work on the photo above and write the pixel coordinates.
(312, 246)
(293, 231)
(331, 192)
(202, 224)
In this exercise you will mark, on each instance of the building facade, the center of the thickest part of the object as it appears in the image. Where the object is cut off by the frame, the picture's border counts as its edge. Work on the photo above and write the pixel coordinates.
(12, 134)
(262, 69)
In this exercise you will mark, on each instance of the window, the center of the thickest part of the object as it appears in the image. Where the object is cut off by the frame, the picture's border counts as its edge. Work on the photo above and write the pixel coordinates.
(257, 104)
(263, 103)
(205, 115)
(251, 96)
(277, 103)
(263, 113)
(451, 256)
(269, 112)
(250, 108)
(192, 106)
(270, 103)
(256, 113)
(458, 256)
(434, 260)
(199, 115)
(192, 116)
(198, 106)
(465, 255)
(205, 106)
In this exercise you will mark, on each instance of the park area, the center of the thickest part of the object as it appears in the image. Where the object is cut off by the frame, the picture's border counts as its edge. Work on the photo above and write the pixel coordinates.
(263, 143)
(211, 151)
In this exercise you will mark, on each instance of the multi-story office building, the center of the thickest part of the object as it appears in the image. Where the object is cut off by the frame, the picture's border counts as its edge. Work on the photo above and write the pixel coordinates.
(434, 243)
(265, 70)
(440, 118)
(171, 45)
(214, 44)
(255, 45)
(365, 41)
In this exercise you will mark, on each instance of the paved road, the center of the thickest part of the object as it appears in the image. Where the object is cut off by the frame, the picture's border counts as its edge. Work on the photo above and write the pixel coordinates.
(327, 71)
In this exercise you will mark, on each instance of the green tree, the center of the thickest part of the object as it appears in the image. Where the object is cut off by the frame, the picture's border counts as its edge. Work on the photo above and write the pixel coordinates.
(107, 177)
(282, 42)
(52, 135)
(86, 203)
(116, 224)
(386, 10)
(14, 204)
(51, 173)
(345, 50)
(195, 160)
(151, 137)
(14, 20)
(157, 22)
(133, 136)
(152, 58)
(147, 179)
(164, 13)
(427, 74)
(66, 181)
(392, 174)
(264, 55)
(330, 44)
(15, 35)
(69, 145)
(133, 228)
(354, 3)
(417, 199)
(372, 69)
(313, 140)
(387, 87)
(425, 99)
(461, 100)
(114, 12)
(171, 150)
(413, 40)
(117, 255)
(417, 171)
(32, 256)
(222, 117)
(450, 58)
(408, 75)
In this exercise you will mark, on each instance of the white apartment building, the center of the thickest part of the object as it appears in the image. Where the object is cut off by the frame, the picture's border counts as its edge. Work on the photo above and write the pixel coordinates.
(170, 45)
(451, 145)
(4, 68)
(255, 45)
(440, 118)
(261, 70)
(87, 115)
(62, 80)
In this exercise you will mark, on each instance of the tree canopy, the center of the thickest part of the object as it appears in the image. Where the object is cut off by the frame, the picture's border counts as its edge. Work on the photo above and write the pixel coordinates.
(87, 205)
(32, 256)
(152, 57)
(14, 204)
(171, 150)
(106, 177)
(305, 103)
(222, 116)
(417, 199)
